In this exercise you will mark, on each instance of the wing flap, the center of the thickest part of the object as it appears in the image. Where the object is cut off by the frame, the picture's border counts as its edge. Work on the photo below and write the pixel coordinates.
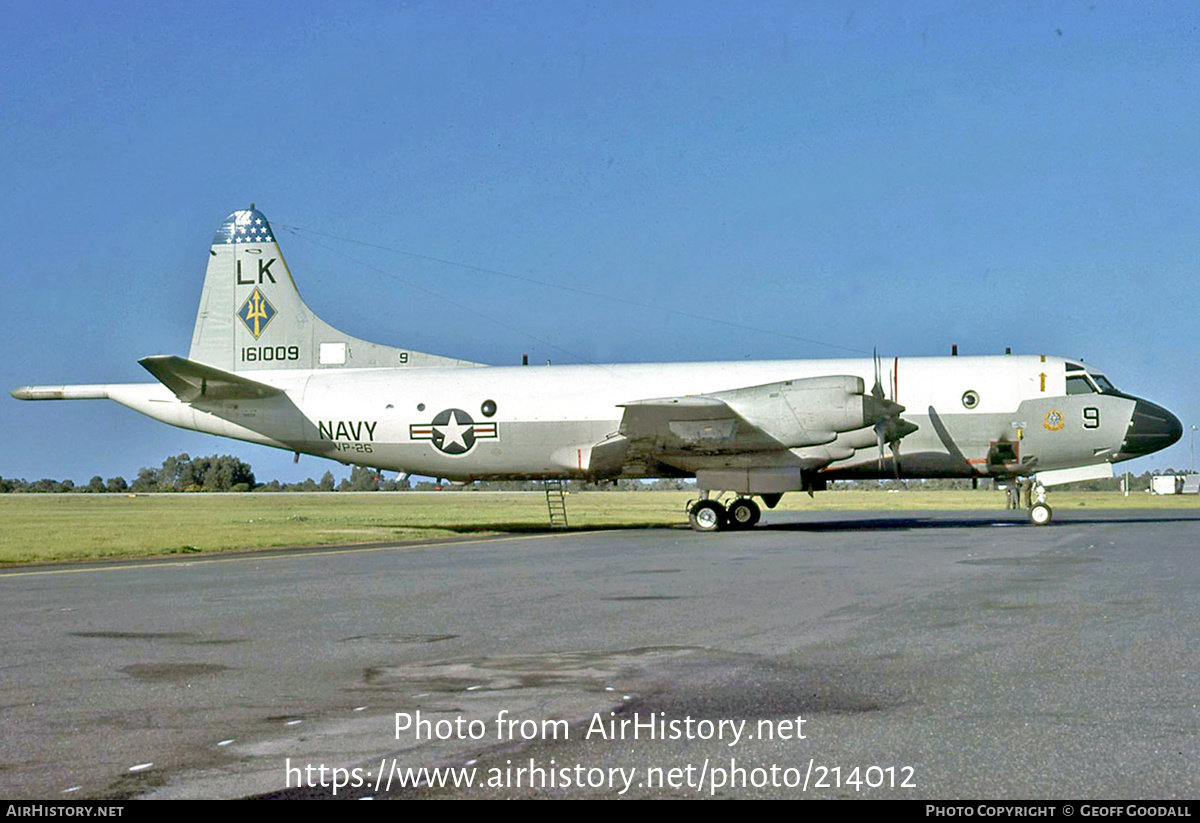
(687, 424)
(191, 381)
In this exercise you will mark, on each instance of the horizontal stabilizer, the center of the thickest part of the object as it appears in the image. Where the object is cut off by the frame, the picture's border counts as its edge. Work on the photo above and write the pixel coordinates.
(191, 381)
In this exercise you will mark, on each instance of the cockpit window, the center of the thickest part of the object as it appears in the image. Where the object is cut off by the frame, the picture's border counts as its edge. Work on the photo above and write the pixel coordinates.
(1079, 384)
(1103, 383)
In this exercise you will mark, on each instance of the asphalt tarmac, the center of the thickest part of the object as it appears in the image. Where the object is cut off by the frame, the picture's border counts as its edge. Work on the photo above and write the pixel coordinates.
(831, 654)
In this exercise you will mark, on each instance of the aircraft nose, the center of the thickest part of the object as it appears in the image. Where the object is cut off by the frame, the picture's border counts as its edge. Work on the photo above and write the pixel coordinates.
(1151, 428)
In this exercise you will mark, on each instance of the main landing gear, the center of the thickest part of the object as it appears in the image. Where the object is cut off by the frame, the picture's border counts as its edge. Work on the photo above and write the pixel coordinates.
(709, 515)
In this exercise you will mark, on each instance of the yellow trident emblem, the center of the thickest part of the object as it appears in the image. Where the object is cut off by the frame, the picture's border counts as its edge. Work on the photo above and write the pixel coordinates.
(256, 313)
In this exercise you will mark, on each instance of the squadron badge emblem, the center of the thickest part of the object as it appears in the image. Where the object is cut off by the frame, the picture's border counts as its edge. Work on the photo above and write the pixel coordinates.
(256, 312)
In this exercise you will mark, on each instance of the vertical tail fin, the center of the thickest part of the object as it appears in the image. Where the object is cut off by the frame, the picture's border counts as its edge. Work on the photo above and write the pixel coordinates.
(252, 316)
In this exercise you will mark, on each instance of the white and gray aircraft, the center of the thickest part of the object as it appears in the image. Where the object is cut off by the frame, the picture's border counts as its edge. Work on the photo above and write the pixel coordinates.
(265, 369)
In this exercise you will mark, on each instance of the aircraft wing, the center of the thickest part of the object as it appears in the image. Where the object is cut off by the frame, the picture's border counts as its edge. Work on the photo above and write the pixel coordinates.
(678, 424)
(770, 420)
(191, 381)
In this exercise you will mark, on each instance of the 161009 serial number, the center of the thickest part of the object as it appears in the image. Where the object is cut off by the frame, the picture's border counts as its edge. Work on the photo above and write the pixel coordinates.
(254, 354)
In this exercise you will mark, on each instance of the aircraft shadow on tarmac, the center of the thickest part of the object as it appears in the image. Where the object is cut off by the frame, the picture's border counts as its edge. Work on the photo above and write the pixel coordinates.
(526, 528)
(920, 521)
(842, 522)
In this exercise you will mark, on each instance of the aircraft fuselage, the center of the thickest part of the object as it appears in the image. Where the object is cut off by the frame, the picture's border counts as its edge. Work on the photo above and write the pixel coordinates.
(975, 416)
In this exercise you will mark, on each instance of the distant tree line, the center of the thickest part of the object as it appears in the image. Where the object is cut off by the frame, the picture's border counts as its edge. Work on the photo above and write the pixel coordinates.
(361, 479)
(216, 473)
(181, 473)
(225, 473)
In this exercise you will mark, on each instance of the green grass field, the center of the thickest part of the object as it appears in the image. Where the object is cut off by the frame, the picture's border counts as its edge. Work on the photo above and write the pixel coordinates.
(72, 527)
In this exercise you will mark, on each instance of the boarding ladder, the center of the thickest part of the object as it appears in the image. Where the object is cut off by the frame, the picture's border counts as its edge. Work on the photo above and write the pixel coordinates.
(556, 503)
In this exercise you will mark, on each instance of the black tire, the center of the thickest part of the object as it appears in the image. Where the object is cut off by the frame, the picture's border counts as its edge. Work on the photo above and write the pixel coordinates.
(743, 513)
(1040, 514)
(706, 516)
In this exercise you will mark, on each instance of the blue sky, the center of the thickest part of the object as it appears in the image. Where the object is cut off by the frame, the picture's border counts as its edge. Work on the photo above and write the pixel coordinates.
(860, 175)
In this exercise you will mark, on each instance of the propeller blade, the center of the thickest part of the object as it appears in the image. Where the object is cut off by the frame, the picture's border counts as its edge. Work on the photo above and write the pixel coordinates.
(877, 389)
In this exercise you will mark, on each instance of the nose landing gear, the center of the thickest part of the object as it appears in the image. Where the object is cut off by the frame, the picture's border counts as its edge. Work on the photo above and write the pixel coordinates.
(1032, 496)
(1040, 514)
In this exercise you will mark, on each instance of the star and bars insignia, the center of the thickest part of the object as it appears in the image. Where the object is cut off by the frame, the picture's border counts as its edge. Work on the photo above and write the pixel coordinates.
(453, 432)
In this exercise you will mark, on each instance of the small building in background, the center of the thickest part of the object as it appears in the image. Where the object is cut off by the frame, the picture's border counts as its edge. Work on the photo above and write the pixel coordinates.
(1175, 484)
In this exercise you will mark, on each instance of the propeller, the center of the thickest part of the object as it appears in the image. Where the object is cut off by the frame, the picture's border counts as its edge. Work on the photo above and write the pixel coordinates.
(889, 428)
(877, 393)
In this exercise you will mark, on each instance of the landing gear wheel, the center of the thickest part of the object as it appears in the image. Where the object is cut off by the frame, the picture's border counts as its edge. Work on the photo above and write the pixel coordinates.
(706, 516)
(743, 513)
(1040, 514)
